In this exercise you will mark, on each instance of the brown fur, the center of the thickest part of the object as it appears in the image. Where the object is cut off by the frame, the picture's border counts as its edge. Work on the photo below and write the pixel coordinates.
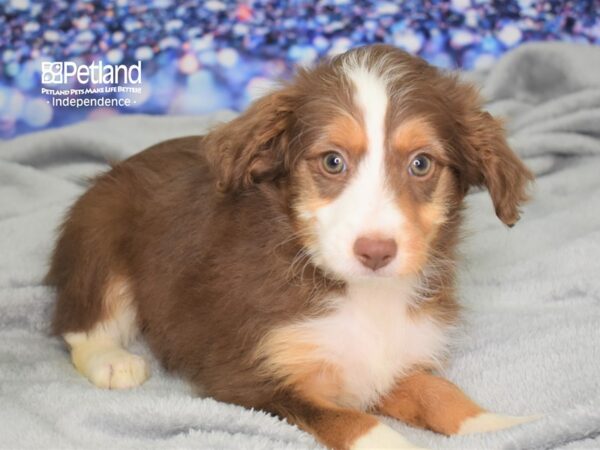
(427, 401)
(204, 231)
(337, 428)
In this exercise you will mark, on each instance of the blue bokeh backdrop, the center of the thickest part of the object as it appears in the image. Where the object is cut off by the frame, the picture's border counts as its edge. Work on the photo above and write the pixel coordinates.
(200, 56)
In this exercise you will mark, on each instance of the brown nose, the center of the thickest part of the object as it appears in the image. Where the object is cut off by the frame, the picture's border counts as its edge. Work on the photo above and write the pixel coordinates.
(375, 253)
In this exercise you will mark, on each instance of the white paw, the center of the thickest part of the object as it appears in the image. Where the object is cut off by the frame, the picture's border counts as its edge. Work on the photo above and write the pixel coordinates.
(113, 368)
(383, 437)
(486, 422)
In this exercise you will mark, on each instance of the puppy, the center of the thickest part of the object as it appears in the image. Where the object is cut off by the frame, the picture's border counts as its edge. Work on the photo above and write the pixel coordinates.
(299, 259)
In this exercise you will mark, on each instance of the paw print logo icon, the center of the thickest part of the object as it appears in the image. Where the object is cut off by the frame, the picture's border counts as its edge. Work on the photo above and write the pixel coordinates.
(52, 73)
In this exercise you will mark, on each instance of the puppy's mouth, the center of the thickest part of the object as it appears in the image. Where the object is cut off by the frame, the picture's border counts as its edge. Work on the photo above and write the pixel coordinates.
(353, 270)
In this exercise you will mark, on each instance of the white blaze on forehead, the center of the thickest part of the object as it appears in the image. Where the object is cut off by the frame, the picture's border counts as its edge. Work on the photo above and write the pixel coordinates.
(371, 97)
(366, 206)
(368, 188)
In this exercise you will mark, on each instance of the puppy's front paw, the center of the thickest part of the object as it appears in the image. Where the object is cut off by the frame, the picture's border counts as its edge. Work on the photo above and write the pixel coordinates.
(383, 437)
(112, 368)
(486, 422)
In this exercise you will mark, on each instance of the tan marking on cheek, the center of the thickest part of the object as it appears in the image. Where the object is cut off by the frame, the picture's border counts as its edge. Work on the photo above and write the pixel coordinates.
(423, 224)
(414, 247)
(307, 204)
(412, 135)
(432, 216)
(313, 204)
(288, 355)
(411, 238)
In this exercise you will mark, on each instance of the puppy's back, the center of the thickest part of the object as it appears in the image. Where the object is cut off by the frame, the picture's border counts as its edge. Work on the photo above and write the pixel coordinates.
(95, 237)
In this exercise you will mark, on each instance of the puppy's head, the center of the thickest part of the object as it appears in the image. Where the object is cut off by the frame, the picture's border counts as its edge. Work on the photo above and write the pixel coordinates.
(376, 150)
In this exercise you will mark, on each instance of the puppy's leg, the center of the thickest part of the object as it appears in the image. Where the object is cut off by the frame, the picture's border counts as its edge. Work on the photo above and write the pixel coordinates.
(341, 429)
(427, 401)
(99, 353)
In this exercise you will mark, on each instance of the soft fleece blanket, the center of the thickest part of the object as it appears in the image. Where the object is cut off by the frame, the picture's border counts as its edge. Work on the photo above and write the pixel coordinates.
(531, 339)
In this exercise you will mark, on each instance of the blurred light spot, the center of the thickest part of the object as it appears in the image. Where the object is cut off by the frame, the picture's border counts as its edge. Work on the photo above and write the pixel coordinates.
(213, 5)
(321, 43)
(462, 38)
(228, 57)
(243, 12)
(20, 5)
(240, 29)
(169, 42)
(51, 36)
(8, 55)
(118, 36)
(173, 25)
(188, 64)
(131, 24)
(85, 36)
(144, 96)
(13, 104)
(302, 54)
(442, 60)
(259, 86)
(202, 43)
(510, 35)
(31, 27)
(409, 40)
(208, 58)
(471, 18)
(11, 69)
(340, 45)
(162, 3)
(201, 95)
(82, 23)
(144, 53)
(37, 113)
(383, 8)
(114, 56)
(460, 5)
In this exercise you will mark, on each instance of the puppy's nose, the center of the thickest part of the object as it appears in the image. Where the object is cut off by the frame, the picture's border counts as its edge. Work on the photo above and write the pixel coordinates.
(375, 253)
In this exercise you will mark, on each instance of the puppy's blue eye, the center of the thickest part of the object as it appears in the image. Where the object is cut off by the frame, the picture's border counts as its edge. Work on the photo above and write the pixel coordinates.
(334, 163)
(420, 165)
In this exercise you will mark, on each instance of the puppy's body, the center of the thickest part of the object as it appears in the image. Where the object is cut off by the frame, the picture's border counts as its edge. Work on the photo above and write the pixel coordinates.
(168, 236)
(269, 277)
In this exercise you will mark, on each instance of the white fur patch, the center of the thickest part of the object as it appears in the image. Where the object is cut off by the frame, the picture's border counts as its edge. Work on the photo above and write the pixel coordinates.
(486, 422)
(371, 339)
(109, 366)
(366, 207)
(122, 329)
(382, 437)
(98, 354)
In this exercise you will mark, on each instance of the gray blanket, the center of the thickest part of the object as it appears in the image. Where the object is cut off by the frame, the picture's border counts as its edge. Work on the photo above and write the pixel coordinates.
(531, 339)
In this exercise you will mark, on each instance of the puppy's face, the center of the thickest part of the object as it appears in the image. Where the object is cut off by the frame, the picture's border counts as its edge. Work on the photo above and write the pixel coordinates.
(375, 186)
(370, 200)
(378, 150)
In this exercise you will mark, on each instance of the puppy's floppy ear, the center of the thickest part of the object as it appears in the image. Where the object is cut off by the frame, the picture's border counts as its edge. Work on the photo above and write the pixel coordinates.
(490, 162)
(252, 147)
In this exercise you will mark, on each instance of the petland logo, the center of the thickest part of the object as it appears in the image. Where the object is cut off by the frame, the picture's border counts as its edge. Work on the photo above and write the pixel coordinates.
(96, 73)
(96, 85)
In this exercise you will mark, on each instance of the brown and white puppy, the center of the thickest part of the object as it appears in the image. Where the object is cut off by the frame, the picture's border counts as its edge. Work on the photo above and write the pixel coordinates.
(298, 259)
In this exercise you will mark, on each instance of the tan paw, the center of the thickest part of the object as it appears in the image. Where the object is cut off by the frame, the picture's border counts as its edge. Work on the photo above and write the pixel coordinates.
(112, 368)
(486, 422)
